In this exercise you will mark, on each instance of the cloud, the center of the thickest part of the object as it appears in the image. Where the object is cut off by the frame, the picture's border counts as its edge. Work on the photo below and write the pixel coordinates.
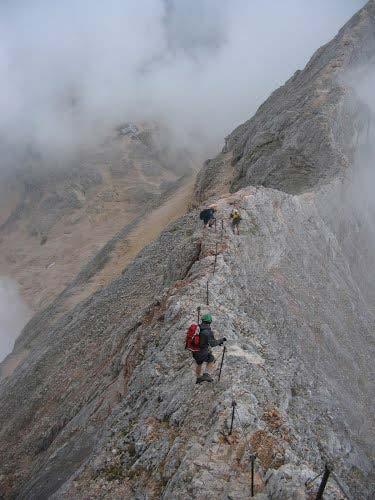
(13, 315)
(70, 70)
(362, 176)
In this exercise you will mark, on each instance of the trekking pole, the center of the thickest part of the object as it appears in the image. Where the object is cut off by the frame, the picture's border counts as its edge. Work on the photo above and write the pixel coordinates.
(221, 235)
(215, 224)
(322, 486)
(252, 458)
(232, 419)
(199, 314)
(215, 257)
(207, 301)
(221, 364)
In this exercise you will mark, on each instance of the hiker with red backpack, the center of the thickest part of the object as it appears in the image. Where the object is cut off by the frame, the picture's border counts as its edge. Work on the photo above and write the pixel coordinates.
(199, 340)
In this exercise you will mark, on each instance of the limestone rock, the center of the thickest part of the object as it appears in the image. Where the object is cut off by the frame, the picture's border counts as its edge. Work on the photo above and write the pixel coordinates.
(292, 294)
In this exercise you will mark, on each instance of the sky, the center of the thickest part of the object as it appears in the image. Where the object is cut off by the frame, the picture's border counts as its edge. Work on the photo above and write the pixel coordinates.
(71, 70)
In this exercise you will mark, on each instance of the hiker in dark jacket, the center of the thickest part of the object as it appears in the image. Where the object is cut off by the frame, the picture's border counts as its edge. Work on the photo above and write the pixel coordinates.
(204, 355)
(208, 216)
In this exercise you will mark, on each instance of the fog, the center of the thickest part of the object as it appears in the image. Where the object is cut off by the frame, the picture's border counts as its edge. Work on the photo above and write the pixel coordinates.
(72, 70)
(359, 180)
(363, 173)
(351, 207)
(13, 315)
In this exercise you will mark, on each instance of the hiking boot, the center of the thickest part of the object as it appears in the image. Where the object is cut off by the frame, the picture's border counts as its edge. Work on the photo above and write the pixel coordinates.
(206, 377)
(199, 380)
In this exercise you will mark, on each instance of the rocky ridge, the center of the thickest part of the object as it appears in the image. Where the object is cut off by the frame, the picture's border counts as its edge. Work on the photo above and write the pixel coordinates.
(143, 428)
(104, 405)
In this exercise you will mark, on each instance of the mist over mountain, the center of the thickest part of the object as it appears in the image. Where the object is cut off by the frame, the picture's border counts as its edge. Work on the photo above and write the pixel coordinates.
(14, 315)
(109, 110)
(72, 73)
(73, 70)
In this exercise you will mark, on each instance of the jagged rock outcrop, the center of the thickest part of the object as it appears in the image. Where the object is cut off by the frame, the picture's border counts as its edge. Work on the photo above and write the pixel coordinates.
(105, 405)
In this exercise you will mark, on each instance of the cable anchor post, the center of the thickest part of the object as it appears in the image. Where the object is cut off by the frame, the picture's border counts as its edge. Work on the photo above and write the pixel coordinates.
(327, 472)
(234, 404)
(216, 246)
(252, 458)
(222, 361)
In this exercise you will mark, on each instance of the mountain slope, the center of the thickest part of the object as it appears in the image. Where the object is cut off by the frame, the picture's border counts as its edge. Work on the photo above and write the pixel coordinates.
(114, 376)
(54, 219)
(105, 403)
(306, 132)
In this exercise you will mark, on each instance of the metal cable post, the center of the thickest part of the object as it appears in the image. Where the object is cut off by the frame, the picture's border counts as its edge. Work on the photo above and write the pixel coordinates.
(215, 257)
(252, 458)
(232, 419)
(323, 483)
(221, 364)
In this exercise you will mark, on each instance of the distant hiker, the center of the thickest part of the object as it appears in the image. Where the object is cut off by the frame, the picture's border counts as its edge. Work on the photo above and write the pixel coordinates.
(199, 340)
(208, 216)
(236, 219)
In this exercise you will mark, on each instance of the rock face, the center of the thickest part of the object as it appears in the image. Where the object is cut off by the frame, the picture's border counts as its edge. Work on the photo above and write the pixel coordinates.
(104, 403)
(306, 133)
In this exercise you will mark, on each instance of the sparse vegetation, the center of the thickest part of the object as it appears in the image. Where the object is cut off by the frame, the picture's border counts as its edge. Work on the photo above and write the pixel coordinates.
(112, 472)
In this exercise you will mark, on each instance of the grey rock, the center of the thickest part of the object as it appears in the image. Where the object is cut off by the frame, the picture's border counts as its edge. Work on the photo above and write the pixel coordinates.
(128, 129)
(291, 294)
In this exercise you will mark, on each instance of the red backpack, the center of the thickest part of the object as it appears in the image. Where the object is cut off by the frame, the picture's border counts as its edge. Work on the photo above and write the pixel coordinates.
(192, 338)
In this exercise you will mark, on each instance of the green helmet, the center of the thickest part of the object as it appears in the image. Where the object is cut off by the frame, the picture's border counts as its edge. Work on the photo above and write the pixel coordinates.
(207, 318)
